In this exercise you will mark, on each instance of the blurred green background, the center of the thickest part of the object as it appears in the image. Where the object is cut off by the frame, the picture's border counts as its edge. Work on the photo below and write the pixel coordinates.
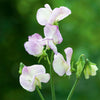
(80, 30)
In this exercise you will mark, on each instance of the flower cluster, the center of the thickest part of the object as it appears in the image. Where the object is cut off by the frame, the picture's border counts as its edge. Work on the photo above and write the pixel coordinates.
(32, 76)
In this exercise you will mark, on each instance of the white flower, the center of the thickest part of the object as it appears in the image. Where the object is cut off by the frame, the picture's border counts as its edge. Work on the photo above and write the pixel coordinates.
(60, 65)
(48, 16)
(32, 76)
(53, 36)
(34, 45)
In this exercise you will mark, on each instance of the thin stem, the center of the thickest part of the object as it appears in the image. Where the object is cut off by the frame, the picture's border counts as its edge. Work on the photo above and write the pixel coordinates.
(40, 59)
(51, 80)
(48, 60)
(73, 88)
(40, 94)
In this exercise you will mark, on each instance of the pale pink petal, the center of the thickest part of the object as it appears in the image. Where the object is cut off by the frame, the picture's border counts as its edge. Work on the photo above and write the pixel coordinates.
(43, 77)
(34, 48)
(43, 14)
(48, 7)
(27, 82)
(68, 52)
(59, 14)
(52, 32)
(49, 31)
(35, 37)
(35, 70)
(59, 64)
(32, 76)
(52, 46)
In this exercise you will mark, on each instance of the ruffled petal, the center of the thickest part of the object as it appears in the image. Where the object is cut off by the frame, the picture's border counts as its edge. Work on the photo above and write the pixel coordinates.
(59, 14)
(35, 37)
(26, 81)
(68, 52)
(52, 46)
(43, 14)
(48, 7)
(34, 45)
(33, 76)
(59, 64)
(43, 77)
(34, 48)
(52, 32)
(34, 70)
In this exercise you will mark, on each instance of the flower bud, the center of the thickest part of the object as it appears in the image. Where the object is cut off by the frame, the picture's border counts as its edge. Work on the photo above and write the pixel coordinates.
(80, 65)
(21, 67)
(90, 69)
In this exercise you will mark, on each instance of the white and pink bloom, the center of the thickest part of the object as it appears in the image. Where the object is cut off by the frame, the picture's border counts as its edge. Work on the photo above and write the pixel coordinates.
(53, 36)
(34, 45)
(32, 76)
(61, 66)
(48, 16)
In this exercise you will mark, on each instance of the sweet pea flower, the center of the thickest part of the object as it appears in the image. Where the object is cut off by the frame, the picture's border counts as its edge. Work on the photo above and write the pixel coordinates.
(34, 45)
(61, 66)
(90, 69)
(53, 36)
(48, 16)
(32, 76)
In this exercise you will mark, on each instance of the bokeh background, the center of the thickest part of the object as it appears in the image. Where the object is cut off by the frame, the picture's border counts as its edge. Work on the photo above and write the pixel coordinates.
(80, 30)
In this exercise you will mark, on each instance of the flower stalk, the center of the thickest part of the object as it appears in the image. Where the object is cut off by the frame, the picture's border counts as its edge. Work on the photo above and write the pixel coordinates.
(51, 80)
(40, 94)
(73, 88)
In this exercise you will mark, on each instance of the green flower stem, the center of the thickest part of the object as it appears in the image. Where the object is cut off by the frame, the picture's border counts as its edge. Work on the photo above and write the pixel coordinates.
(76, 82)
(40, 59)
(51, 80)
(40, 94)
(73, 88)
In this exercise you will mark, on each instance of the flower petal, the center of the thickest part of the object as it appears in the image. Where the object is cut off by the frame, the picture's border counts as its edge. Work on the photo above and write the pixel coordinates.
(59, 14)
(43, 77)
(52, 46)
(59, 64)
(33, 48)
(68, 52)
(48, 7)
(34, 70)
(27, 82)
(93, 70)
(43, 14)
(52, 32)
(35, 37)
(34, 45)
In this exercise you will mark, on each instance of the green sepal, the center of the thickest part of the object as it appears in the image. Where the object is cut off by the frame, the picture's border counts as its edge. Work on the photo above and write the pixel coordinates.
(42, 56)
(80, 65)
(21, 67)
